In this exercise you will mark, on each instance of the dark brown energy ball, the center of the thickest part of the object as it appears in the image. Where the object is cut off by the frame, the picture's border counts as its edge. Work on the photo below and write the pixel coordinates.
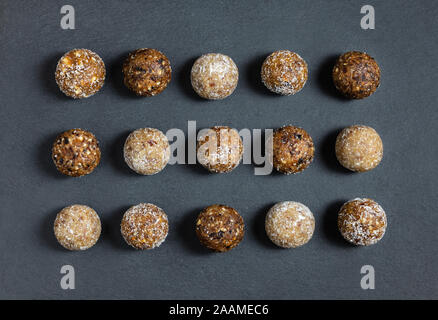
(147, 72)
(76, 152)
(356, 75)
(220, 227)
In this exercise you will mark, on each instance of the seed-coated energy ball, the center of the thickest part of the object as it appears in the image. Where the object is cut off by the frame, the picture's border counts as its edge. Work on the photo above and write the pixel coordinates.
(220, 228)
(362, 221)
(356, 75)
(289, 224)
(80, 73)
(359, 148)
(77, 227)
(76, 152)
(147, 72)
(147, 151)
(219, 149)
(214, 76)
(284, 72)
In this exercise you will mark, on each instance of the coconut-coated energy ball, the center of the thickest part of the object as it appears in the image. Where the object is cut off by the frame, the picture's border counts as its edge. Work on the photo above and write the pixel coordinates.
(77, 227)
(144, 226)
(76, 152)
(284, 72)
(80, 73)
(147, 151)
(362, 221)
(359, 148)
(356, 75)
(220, 228)
(214, 76)
(289, 224)
(147, 72)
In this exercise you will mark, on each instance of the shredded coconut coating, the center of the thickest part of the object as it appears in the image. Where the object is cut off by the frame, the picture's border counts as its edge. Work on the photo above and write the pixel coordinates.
(77, 227)
(147, 151)
(362, 221)
(214, 76)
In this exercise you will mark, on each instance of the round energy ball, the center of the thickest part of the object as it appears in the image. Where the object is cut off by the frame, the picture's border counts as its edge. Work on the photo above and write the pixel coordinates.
(356, 75)
(144, 226)
(147, 151)
(147, 72)
(76, 152)
(219, 149)
(284, 72)
(214, 76)
(77, 227)
(220, 228)
(359, 148)
(289, 224)
(80, 73)
(362, 221)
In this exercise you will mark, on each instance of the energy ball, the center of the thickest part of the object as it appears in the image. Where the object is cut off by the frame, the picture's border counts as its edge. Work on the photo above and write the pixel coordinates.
(359, 148)
(144, 226)
(219, 149)
(220, 228)
(289, 224)
(77, 227)
(76, 152)
(284, 72)
(362, 221)
(214, 76)
(356, 75)
(147, 72)
(147, 151)
(80, 73)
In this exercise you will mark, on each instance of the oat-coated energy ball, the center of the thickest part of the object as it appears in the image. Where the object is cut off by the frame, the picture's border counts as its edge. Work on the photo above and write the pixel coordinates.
(284, 72)
(214, 76)
(80, 73)
(77, 227)
(362, 221)
(147, 72)
(76, 152)
(220, 228)
(219, 149)
(359, 148)
(356, 75)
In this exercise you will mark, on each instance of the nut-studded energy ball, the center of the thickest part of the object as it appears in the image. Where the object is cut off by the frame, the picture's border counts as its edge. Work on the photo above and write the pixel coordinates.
(77, 227)
(147, 72)
(144, 226)
(219, 149)
(356, 75)
(214, 76)
(289, 224)
(76, 152)
(220, 228)
(359, 148)
(80, 73)
(147, 151)
(284, 72)
(362, 221)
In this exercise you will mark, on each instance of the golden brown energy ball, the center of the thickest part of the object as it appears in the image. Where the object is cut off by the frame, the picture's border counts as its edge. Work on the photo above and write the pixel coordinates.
(77, 227)
(80, 73)
(362, 221)
(284, 72)
(359, 148)
(219, 149)
(220, 228)
(147, 151)
(144, 226)
(214, 76)
(76, 152)
(356, 75)
(147, 72)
